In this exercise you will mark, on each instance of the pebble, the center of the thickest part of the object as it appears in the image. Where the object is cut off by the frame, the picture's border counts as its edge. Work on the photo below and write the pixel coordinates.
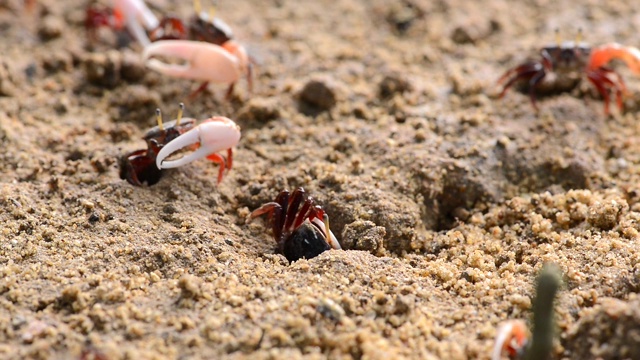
(319, 93)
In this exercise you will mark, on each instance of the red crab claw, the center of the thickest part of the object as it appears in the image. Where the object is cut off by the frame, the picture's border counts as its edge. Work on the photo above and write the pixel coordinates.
(215, 134)
(602, 55)
(605, 78)
(204, 61)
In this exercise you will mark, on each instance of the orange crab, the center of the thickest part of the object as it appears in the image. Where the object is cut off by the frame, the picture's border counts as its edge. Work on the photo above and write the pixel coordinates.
(569, 61)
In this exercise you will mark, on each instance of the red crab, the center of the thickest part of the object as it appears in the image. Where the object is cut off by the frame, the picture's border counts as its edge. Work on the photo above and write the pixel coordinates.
(138, 167)
(570, 60)
(300, 231)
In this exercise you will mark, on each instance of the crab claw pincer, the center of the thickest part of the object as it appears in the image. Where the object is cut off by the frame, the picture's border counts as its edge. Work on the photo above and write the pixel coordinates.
(213, 135)
(204, 61)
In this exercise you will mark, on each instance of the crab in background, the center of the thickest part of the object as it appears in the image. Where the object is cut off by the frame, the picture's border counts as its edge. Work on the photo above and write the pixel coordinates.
(206, 140)
(561, 67)
(300, 228)
(203, 45)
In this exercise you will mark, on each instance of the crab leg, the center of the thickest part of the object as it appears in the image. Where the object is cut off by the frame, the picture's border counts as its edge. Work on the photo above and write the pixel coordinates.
(276, 212)
(205, 62)
(603, 83)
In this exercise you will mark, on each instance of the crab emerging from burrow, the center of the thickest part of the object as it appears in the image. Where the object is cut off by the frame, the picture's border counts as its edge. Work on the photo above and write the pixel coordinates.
(562, 66)
(139, 166)
(300, 227)
(213, 135)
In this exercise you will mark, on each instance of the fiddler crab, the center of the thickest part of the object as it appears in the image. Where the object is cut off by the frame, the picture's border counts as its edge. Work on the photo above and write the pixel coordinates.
(204, 45)
(213, 135)
(300, 228)
(562, 66)
(512, 338)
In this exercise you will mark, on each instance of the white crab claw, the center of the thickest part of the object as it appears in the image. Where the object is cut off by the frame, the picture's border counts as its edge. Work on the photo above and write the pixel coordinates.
(138, 17)
(205, 61)
(216, 134)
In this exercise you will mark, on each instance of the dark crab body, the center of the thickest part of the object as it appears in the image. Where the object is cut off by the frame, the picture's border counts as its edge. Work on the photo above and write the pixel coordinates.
(138, 167)
(300, 228)
(561, 68)
(200, 28)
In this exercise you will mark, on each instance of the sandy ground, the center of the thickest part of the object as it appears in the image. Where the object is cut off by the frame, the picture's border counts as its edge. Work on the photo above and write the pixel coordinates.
(449, 199)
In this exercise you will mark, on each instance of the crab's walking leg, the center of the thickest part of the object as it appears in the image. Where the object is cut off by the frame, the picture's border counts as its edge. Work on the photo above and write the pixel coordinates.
(294, 204)
(229, 158)
(533, 72)
(194, 94)
(219, 159)
(276, 213)
(302, 214)
(603, 83)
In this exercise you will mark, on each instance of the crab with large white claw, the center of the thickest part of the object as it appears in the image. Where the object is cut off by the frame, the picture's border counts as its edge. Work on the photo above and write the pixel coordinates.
(203, 61)
(207, 51)
(215, 134)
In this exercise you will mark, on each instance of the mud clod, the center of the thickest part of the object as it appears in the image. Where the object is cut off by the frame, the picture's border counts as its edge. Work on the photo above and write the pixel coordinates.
(393, 84)
(606, 216)
(260, 110)
(319, 94)
(135, 104)
(363, 235)
(103, 69)
(621, 340)
(51, 27)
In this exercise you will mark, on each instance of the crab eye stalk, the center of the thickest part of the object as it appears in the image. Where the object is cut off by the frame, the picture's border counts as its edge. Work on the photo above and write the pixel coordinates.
(579, 37)
(159, 119)
(180, 111)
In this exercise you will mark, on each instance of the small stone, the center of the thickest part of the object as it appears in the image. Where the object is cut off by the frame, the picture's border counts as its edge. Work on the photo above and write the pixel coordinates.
(58, 61)
(393, 84)
(93, 218)
(103, 69)
(319, 94)
(260, 110)
(7, 86)
(190, 287)
(460, 35)
(132, 67)
(364, 235)
(51, 27)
